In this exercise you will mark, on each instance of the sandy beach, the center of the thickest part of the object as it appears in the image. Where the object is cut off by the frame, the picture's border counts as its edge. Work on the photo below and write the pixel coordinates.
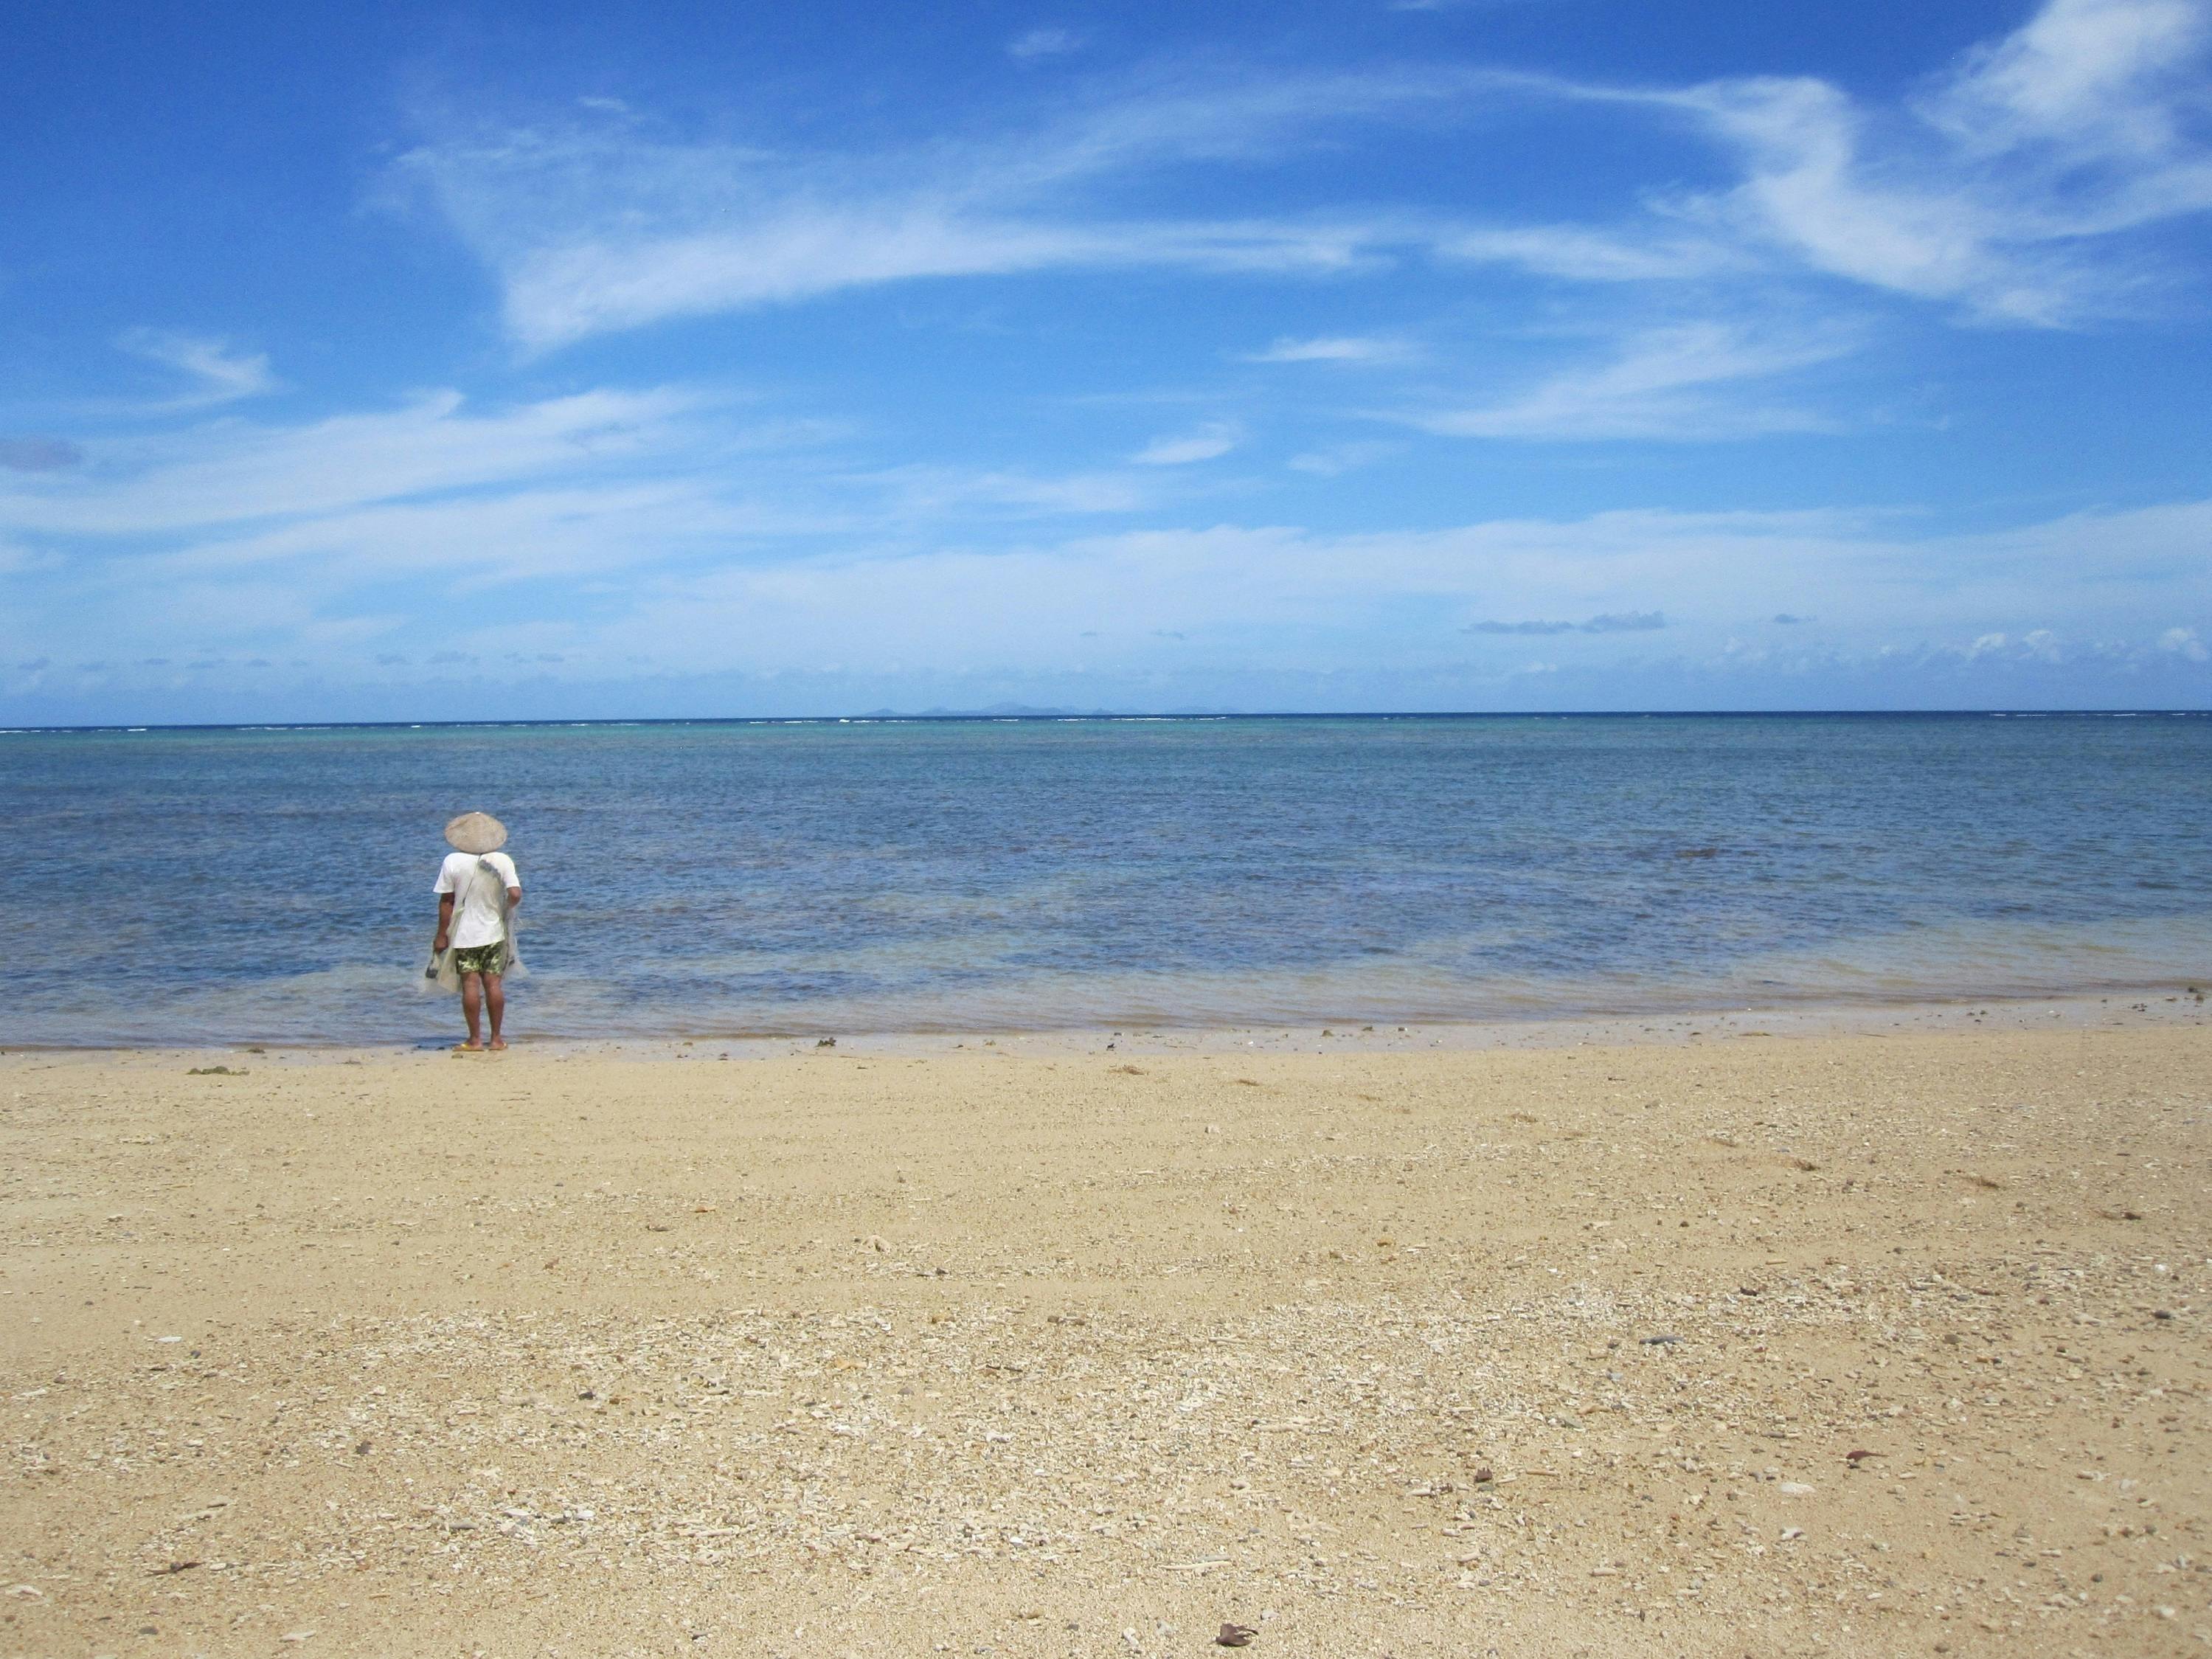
(1873, 1344)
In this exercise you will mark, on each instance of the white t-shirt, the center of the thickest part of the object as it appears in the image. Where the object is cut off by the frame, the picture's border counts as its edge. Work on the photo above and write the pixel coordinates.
(477, 896)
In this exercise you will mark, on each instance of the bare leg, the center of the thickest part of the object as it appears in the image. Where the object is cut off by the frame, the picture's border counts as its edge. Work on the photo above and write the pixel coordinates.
(495, 1005)
(472, 1007)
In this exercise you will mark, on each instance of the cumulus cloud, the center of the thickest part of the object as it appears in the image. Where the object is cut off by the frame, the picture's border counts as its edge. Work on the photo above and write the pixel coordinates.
(2183, 642)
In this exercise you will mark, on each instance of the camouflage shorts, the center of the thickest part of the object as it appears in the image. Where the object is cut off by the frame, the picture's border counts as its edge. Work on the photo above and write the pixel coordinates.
(482, 958)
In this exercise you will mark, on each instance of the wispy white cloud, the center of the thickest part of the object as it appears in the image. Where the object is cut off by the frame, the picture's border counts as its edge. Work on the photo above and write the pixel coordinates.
(2005, 186)
(2016, 186)
(2111, 79)
(1213, 440)
(1040, 43)
(596, 226)
(698, 572)
(932, 492)
(1679, 584)
(1333, 349)
(1996, 189)
(557, 294)
(524, 532)
(1642, 253)
(220, 373)
(1679, 382)
(604, 479)
(229, 473)
(1988, 190)
(1334, 460)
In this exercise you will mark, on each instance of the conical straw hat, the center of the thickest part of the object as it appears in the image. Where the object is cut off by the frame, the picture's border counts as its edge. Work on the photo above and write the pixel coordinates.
(477, 832)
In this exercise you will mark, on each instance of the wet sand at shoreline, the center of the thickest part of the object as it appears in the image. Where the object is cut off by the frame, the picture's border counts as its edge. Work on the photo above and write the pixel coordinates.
(1864, 1344)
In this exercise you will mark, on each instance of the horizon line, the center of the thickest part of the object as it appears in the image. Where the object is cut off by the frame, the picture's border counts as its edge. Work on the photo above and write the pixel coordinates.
(1049, 717)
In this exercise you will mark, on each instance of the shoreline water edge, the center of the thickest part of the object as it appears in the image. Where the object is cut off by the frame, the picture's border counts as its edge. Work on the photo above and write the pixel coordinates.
(2176, 1004)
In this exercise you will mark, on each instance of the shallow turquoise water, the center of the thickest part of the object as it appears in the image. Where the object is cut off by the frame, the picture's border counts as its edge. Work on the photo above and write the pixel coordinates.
(201, 886)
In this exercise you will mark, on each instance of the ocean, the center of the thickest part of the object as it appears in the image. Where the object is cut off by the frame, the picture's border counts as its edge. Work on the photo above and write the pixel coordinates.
(199, 886)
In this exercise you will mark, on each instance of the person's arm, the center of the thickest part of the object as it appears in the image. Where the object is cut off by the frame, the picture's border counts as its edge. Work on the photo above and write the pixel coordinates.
(444, 921)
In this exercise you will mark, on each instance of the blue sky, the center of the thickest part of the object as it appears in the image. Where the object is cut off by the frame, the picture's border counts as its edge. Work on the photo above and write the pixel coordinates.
(414, 361)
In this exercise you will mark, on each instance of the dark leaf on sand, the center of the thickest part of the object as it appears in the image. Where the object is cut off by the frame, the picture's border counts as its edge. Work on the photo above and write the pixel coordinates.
(1235, 1636)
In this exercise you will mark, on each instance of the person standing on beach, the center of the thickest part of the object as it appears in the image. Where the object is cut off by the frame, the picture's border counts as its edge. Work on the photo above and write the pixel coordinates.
(478, 890)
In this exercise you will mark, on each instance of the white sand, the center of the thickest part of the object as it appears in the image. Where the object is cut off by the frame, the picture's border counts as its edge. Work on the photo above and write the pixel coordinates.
(1063, 1353)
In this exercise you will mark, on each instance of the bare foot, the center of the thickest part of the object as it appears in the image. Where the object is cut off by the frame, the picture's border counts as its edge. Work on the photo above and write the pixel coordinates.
(499, 1042)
